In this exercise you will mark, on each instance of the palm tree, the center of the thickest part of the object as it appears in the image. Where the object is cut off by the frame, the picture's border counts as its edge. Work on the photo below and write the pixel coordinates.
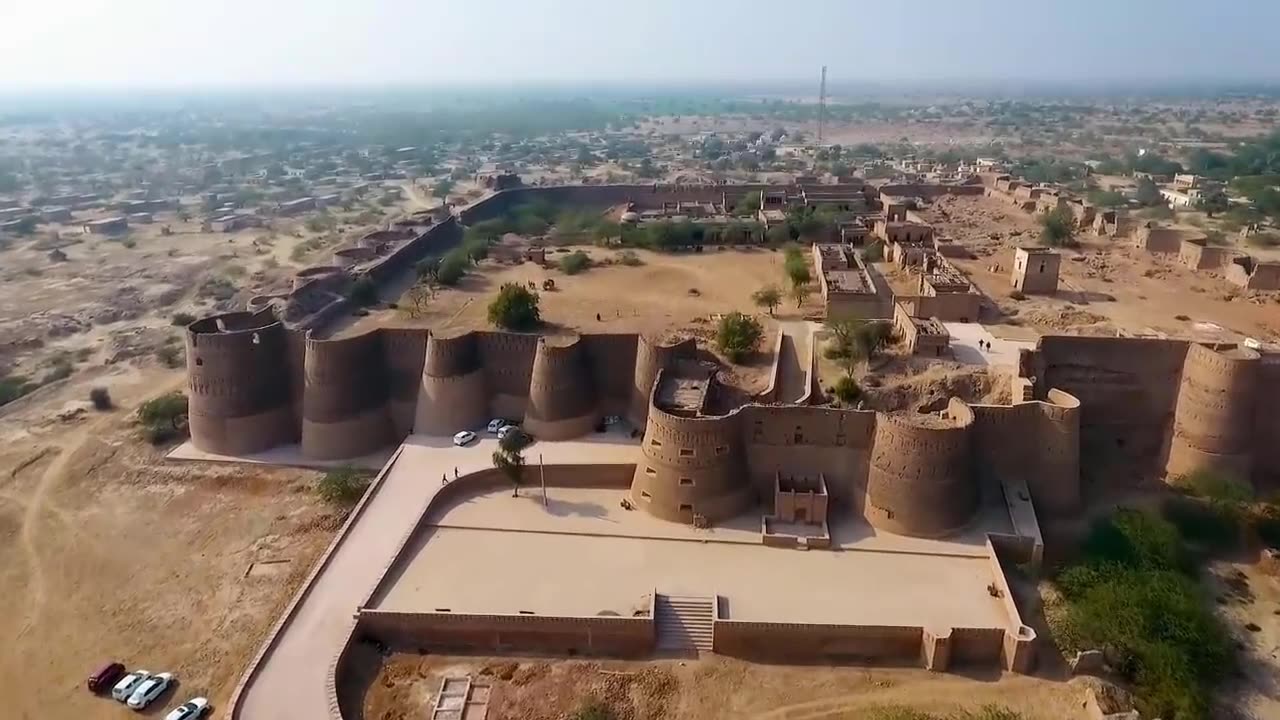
(509, 458)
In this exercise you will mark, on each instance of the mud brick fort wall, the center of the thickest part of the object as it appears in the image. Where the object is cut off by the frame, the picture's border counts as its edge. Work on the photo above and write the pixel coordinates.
(1149, 406)
(1153, 407)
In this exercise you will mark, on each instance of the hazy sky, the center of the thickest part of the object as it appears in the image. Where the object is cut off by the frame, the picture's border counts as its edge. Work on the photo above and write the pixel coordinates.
(195, 43)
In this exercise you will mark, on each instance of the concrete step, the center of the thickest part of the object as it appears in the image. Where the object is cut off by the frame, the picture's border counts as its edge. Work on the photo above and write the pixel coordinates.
(684, 623)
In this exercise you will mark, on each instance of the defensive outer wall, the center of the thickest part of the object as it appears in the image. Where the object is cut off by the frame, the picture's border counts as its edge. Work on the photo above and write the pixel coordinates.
(1151, 406)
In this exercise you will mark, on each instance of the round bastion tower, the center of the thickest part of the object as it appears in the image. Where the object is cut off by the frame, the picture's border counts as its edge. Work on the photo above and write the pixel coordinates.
(344, 406)
(691, 464)
(920, 481)
(238, 384)
(651, 357)
(1213, 419)
(452, 395)
(562, 401)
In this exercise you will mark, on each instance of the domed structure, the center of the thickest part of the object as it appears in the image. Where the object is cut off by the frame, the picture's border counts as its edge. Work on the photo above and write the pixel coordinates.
(631, 217)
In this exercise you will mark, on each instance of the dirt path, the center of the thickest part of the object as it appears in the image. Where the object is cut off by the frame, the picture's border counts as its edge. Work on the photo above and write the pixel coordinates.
(30, 530)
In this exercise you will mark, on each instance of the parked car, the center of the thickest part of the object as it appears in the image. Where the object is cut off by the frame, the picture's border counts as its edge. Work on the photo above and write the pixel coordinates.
(149, 690)
(463, 438)
(506, 430)
(189, 710)
(125, 686)
(495, 425)
(105, 677)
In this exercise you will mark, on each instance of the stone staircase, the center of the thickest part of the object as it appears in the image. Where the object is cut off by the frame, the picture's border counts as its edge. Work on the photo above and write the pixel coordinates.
(684, 622)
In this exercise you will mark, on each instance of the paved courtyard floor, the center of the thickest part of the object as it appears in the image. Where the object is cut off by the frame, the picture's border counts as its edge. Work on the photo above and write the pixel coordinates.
(583, 554)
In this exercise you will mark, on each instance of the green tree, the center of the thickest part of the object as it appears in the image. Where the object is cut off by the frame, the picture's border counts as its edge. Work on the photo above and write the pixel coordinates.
(801, 292)
(509, 457)
(768, 297)
(1107, 198)
(1057, 228)
(452, 268)
(575, 262)
(476, 249)
(796, 266)
(847, 390)
(428, 268)
(738, 336)
(1147, 193)
(364, 292)
(748, 204)
(515, 308)
(1214, 204)
(442, 188)
(779, 234)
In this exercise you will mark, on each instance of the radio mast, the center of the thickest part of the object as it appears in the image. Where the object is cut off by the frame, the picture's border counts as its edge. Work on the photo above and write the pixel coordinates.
(822, 104)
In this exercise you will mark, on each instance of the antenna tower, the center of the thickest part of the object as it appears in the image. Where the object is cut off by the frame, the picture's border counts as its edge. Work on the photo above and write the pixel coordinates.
(822, 104)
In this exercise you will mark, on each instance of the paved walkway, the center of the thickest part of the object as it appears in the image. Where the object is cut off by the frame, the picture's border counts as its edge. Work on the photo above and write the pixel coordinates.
(964, 344)
(793, 357)
(290, 681)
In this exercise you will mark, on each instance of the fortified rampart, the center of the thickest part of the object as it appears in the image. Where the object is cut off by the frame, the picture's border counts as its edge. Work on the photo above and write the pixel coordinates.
(1214, 416)
(920, 480)
(344, 400)
(238, 383)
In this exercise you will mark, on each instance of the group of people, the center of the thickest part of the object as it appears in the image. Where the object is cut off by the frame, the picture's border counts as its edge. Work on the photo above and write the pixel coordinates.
(984, 345)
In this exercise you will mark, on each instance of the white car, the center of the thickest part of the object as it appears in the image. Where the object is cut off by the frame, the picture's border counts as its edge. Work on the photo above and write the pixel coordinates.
(127, 684)
(149, 690)
(189, 710)
(495, 426)
(506, 430)
(463, 438)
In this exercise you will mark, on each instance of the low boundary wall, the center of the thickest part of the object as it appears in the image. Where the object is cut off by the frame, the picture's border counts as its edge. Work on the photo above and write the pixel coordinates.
(560, 635)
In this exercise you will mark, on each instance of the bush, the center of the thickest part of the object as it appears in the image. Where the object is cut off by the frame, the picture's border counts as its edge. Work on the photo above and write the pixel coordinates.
(1266, 523)
(1134, 592)
(1207, 524)
(452, 268)
(164, 418)
(60, 370)
(847, 390)
(738, 336)
(575, 262)
(101, 398)
(182, 319)
(343, 486)
(593, 710)
(874, 251)
(13, 387)
(629, 258)
(515, 308)
(1058, 228)
(475, 249)
(364, 292)
(171, 356)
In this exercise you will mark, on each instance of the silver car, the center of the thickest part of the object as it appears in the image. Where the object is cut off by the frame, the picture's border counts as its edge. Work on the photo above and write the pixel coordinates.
(127, 684)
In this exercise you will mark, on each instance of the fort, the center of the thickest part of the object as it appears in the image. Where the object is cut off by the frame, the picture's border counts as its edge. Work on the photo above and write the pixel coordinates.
(908, 518)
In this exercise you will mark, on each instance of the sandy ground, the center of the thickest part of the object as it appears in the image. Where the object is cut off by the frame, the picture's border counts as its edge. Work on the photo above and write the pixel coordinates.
(1249, 603)
(707, 689)
(1106, 286)
(109, 552)
(112, 299)
(667, 295)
